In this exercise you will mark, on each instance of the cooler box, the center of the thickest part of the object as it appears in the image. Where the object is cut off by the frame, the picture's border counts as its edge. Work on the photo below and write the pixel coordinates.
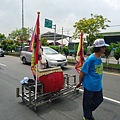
(52, 79)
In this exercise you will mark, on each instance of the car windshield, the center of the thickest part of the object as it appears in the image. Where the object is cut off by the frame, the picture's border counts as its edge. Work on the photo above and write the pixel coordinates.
(49, 51)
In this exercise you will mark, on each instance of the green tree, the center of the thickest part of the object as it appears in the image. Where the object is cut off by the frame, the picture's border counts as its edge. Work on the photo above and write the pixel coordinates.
(113, 45)
(17, 43)
(85, 48)
(117, 52)
(91, 26)
(2, 37)
(4, 44)
(44, 42)
(107, 52)
(75, 51)
(65, 50)
(10, 43)
(21, 35)
(118, 44)
(57, 48)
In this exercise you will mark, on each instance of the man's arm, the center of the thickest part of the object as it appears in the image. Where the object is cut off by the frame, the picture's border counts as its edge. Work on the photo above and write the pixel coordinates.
(80, 79)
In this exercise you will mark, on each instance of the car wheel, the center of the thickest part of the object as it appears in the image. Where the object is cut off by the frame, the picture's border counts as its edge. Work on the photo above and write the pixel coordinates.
(24, 60)
(47, 66)
(2, 55)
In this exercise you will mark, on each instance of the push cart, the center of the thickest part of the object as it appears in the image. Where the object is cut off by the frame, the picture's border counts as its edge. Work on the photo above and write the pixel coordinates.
(52, 84)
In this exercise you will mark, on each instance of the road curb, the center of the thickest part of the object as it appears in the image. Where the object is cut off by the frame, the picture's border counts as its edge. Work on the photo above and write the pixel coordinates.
(108, 69)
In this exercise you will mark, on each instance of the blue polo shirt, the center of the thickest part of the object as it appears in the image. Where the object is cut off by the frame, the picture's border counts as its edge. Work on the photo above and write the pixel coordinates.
(92, 69)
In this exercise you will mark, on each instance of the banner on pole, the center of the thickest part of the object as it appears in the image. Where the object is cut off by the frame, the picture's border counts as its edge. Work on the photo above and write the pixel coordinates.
(80, 54)
(34, 45)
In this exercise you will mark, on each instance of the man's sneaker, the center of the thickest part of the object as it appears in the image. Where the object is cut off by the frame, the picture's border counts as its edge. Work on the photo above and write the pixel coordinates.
(85, 118)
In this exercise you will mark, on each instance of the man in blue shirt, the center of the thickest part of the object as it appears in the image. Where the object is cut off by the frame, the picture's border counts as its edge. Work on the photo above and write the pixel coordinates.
(91, 79)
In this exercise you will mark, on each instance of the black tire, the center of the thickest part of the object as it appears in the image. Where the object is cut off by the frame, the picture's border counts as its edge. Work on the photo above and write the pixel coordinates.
(24, 60)
(47, 66)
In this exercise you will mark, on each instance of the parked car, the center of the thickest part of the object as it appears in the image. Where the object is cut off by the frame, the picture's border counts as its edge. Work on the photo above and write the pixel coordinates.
(52, 57)
(2, 52)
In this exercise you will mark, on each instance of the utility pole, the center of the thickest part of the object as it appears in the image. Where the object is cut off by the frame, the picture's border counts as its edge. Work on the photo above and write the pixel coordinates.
(62, 37)
(22, 23)
(54, 34)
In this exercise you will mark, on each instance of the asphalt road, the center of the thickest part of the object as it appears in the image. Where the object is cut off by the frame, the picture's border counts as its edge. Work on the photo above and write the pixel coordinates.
(63, 108)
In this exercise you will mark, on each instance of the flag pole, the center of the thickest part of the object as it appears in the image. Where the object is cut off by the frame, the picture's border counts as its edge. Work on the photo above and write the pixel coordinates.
(80, 56)
(81, 47)
(37, 61)
(36, 82)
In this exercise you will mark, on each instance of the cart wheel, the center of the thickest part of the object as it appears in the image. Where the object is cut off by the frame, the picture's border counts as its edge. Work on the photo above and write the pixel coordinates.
(76, 90)
(23, 100)
(35, 108)
(50, 100)
(17, 92)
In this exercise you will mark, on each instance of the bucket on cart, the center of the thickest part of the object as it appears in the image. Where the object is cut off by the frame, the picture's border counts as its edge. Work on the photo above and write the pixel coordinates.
(52, 79)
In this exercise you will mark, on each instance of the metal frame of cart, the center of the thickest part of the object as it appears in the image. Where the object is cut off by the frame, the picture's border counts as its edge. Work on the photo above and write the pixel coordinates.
(28, 94)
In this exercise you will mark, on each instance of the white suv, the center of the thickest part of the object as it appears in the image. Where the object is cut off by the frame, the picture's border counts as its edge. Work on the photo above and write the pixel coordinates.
(52, 57)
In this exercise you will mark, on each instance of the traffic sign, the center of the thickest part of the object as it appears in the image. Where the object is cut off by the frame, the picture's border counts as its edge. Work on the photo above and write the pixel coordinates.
(48, 23)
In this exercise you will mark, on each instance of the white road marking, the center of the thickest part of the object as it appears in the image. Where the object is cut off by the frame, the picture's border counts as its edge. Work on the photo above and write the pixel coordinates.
(112, 100)
(2, 64)
(106, 98)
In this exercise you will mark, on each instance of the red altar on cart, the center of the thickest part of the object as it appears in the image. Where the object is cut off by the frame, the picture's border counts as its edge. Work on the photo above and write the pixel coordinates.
(52, 79)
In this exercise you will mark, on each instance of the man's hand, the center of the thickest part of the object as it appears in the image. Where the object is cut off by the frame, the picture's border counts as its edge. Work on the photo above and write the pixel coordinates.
(80, 79)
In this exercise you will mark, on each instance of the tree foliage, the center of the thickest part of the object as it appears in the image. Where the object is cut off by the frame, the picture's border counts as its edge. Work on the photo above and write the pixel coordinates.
(117, 54)
(44, 42)
(108, 51)
(21, 35)
(91, 26)
(65, 50)
(9, 45)
(2, 37)
(57, 48)
(4, 44)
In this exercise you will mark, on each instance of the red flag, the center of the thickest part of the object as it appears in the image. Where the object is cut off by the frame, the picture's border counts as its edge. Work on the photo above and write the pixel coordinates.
(34, 45)
(80, 55)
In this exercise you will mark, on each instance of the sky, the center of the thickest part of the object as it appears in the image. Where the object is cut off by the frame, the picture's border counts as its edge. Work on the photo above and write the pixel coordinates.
(63, 13)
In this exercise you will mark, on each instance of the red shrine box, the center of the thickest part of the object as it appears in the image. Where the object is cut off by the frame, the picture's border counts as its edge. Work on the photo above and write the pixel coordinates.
(52, 79)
